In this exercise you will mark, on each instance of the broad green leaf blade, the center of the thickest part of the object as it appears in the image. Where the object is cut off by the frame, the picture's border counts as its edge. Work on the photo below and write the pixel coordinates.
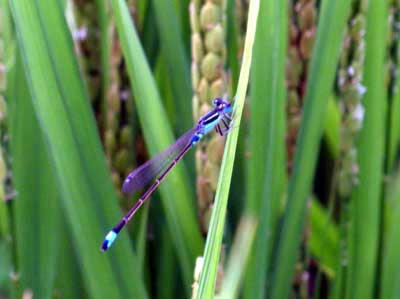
(266, 181)
(173, 51)
(61, 106)
(37, 206)
(216, 230)
(390, 275)
(332, 19)
(177, 197)
(366, 197)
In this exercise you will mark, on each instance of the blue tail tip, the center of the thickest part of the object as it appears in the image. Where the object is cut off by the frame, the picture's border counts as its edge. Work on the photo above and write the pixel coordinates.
(108, 240)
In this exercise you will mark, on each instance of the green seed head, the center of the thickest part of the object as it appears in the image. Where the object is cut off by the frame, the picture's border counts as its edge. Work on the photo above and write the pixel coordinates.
(211, 66)
(204, 193)
(217, 88)
(197, 48)
(215, 40)
(195, 106)
(358, 28)
(203, 91)
(195, 76)
(211, 172)
(215, 150)
(210, 15)
(194, 19)
(199, 160)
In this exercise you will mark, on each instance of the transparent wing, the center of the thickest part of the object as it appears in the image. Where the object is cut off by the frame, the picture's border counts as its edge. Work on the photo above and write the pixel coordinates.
(142, 175)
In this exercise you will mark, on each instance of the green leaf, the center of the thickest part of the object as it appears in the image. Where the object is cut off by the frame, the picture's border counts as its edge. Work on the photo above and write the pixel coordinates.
(62, 109)
(266, 181)
(332, 19)
(103, 14)
(239, 255)
(332, 127)
(173, 51)
(232, 33)
(394, 117)
(366, 196)
(166, 278)
(69, 281)
(37, 210)
(214, 237)
(390, 274)
(324, 238)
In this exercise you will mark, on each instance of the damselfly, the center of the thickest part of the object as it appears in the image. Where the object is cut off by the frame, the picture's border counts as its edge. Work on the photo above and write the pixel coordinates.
(218, 119)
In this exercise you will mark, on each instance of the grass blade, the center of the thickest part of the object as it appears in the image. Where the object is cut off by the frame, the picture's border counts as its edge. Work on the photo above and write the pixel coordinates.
(332, 19)
(240, 252)
(166, 280)
(394, 117)
(366, 197)
(69, 281)
(176, 194)
(214, 237)
(37, 209)
(173, 51)
(61, 106)
(391, 259)
(267, 146)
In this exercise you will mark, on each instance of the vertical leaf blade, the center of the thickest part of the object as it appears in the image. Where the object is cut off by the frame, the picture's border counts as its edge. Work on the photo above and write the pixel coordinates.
(266, 165)
(63, 112)
(332, 20)
(214, 237)
(37, 204)
(176, 59)
(366, 204)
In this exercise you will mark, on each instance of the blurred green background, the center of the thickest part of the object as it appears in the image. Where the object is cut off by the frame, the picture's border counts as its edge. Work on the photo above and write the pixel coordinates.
(302, 200)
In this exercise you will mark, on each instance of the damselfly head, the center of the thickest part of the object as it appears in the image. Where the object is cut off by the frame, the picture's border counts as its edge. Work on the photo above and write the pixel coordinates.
(222, 105)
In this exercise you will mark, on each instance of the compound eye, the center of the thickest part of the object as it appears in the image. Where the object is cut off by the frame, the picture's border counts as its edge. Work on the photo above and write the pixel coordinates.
(216, 102)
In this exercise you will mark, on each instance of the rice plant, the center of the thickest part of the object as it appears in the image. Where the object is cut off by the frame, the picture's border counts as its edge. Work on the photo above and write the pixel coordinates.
(294, 192)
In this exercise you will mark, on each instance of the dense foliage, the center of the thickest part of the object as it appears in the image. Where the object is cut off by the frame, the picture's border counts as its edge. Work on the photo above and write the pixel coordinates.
(301, 200)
